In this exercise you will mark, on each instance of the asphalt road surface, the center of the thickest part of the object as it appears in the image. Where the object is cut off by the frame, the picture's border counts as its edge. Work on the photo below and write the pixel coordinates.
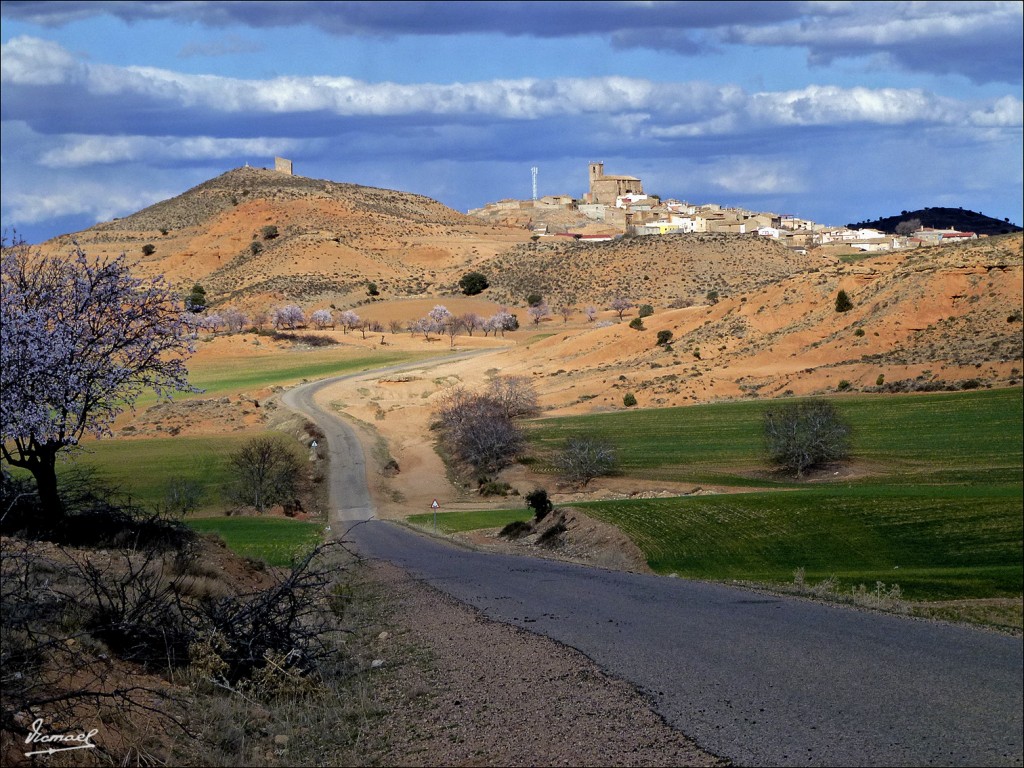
(758, 679)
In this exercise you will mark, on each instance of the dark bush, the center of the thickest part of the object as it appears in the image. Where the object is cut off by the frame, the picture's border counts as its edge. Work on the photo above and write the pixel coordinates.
(645, 310)
(843, 302)
(629, 400)
(148, 249)
(473, 283)
(636, 324)
(539, 502)
(664, 337)
(516, 530)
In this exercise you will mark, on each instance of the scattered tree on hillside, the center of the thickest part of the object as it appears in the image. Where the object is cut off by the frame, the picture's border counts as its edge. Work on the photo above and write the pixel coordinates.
(148, 249)
(322, 318)
(591, 313)
(234, 320)
(637, 324)
(581, 459)
(565, 310)
(372, 290)
(538, 312)
(620, 305)
(645, 310)
(269, 232)
(266, 471)
(664, 337)
(214, 323)
(395, 326)
(799, 436)
(348, 320)
(451, 326)
(196, 300)
(712, 297)
(473, 283)
(471, 321)
(843, 303)
(80, 340)
(534, 299)
(289, 316)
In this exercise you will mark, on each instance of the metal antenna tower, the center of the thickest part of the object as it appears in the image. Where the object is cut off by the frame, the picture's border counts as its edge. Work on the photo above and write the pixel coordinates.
(534, 172)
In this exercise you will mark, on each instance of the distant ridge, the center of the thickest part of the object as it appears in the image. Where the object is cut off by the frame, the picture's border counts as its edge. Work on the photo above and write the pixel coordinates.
(943, 218)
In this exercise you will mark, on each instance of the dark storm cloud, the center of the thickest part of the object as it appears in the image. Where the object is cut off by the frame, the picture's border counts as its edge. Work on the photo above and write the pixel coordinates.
(979, 40)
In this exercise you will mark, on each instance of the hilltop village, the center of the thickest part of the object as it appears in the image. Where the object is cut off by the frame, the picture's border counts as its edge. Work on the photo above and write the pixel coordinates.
(614, 206)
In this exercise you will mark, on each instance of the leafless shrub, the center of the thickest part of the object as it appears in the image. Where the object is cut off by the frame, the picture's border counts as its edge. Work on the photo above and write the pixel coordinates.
(477, 431)
(516, 395)
(581, 459)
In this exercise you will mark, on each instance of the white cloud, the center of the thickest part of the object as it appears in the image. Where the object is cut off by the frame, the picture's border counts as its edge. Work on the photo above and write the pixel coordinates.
(678, 109)
(98, 201)
(77, 151)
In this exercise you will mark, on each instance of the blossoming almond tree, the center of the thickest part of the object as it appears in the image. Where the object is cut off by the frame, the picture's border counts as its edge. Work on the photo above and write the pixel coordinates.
(80, 340)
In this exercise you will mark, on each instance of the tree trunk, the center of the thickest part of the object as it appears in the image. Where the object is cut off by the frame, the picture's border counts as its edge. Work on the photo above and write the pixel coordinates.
(44, 470)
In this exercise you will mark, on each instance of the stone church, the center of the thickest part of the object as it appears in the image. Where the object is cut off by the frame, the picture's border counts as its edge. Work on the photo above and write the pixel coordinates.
(604, 189)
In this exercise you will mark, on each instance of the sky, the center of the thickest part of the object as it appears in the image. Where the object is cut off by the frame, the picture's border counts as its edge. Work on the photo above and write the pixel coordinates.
(832, 111)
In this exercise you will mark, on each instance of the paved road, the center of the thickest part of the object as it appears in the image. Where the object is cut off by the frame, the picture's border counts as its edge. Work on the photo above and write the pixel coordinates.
(758, 679)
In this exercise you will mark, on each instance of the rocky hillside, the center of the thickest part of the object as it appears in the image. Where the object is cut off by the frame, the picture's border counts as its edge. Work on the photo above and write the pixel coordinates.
(934, 318)
(661, 270)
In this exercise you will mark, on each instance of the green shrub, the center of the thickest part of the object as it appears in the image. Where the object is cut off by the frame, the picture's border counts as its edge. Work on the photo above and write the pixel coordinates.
(629, 400)
(645, 310)
(473, 283)
(843, 385)
(880, 380)
(148, 249)
(664, 337)
(534, 299)
(636, 324)
(269, 232)
(859, 332)
(843, 302)
(255, 247)
(371, 289)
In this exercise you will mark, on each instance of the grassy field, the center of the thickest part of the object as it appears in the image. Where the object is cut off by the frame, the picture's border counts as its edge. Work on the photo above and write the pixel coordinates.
(276, 541)
(914, 438)
(143, 468)
(938, 512)
(456, 522)
(234, 374)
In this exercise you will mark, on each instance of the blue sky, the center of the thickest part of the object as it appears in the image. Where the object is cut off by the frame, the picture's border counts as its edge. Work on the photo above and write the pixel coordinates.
(834, 111)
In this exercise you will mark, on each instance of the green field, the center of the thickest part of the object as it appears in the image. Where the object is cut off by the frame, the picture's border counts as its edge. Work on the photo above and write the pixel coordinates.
(143, 468)
(456, 522)
(939, 510)
(233, 374)
(275, 540)
(920, 437)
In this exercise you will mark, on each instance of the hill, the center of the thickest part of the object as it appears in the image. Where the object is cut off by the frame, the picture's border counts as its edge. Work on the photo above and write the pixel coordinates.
(943, 218)
(662, 270)
(330, 240)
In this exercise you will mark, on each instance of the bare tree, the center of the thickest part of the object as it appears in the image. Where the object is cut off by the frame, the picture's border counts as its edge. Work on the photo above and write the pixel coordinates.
(591, 313)
(477, 431)
(566, 312)
(395, 326)
(451, 326)
(472, 321)
(802, 435)
(516, 395)
(582, 459)
(267, 472)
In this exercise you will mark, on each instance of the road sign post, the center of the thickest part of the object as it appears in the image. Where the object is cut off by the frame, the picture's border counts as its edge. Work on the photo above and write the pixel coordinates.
(434, 506)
